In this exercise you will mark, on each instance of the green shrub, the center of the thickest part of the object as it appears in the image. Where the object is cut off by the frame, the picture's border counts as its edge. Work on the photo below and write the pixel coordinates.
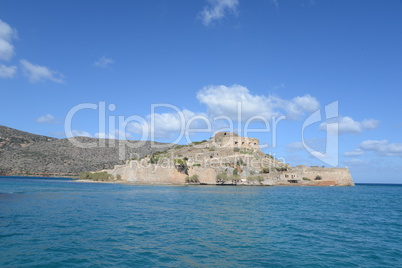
(252, 172)
(84, 175)
(154, 159)
(234, 177)
(265, 170)
(199, 142)
(118, 177)
(235, 172)
(240, 162)
(193, 178)
(212, 149)
(281, 169)
(236, 149)
(256, 178)
(306, 179)
(160, 152)
(96, 176)
(178, 161)
(222, 177)
(196, 165)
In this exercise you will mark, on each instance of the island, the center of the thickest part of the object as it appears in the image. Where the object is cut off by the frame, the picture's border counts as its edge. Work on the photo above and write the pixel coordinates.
(224, 159)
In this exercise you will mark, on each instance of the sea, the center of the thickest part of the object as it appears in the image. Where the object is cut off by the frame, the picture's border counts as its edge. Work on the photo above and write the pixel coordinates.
(62, 223)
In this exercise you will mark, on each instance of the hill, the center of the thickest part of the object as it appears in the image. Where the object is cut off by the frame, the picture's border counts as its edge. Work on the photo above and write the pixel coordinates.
(23, 153)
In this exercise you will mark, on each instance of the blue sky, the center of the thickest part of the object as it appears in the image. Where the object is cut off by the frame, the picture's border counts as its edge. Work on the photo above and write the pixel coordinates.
(277, 58)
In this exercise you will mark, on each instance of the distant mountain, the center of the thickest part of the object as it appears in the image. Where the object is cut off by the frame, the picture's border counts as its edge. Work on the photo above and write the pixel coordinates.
(23, 153)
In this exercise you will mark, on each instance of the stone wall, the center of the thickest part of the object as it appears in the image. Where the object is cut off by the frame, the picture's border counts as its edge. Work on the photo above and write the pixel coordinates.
(140, 173)
(135, 172)
(340, 176)
(313, 176)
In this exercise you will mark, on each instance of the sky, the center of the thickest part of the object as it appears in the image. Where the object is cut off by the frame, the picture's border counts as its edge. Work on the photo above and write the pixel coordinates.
(319, 82)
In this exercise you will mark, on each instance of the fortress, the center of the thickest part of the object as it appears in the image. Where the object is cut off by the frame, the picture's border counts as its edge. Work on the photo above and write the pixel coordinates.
(225, 159)
(232, 140)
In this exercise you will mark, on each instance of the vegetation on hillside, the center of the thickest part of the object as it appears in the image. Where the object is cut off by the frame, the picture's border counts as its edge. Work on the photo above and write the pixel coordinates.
(98, 176)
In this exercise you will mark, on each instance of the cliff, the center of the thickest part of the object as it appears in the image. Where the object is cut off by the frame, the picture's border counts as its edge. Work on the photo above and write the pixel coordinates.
(225, 159)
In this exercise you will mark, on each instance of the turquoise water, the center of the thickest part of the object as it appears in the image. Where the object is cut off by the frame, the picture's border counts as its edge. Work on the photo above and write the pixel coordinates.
(60, 223)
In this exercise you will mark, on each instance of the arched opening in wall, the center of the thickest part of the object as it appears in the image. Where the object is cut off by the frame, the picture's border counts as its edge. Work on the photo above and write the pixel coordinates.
(242, 142)
(236, 142)
(255, 143)
(224, 134)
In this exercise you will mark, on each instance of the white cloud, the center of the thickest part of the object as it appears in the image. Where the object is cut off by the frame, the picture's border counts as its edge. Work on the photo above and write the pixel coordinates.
(348, 125)
(6, 35)
(354, 162)
(296, 107)
(217, 9)
(295, 146)
(167, 125)
(7, 71)
(46, 119)
(355, 152)
(370, 124)
(382, 147)
(37, 73)
(80, 133)
(103, 62)
(117, 134)
(317, 144)
(223, 100)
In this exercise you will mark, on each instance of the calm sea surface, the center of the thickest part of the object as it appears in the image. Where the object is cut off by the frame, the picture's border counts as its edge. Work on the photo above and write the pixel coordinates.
(61, 223)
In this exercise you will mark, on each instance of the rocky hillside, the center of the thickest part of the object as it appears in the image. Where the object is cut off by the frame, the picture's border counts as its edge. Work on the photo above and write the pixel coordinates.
(23, 153)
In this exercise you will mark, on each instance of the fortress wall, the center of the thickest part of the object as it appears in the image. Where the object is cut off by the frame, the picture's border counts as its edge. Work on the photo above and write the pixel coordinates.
(206, 175)
(341, 176)
(150, 174)
(329, 176)
(238, 142)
